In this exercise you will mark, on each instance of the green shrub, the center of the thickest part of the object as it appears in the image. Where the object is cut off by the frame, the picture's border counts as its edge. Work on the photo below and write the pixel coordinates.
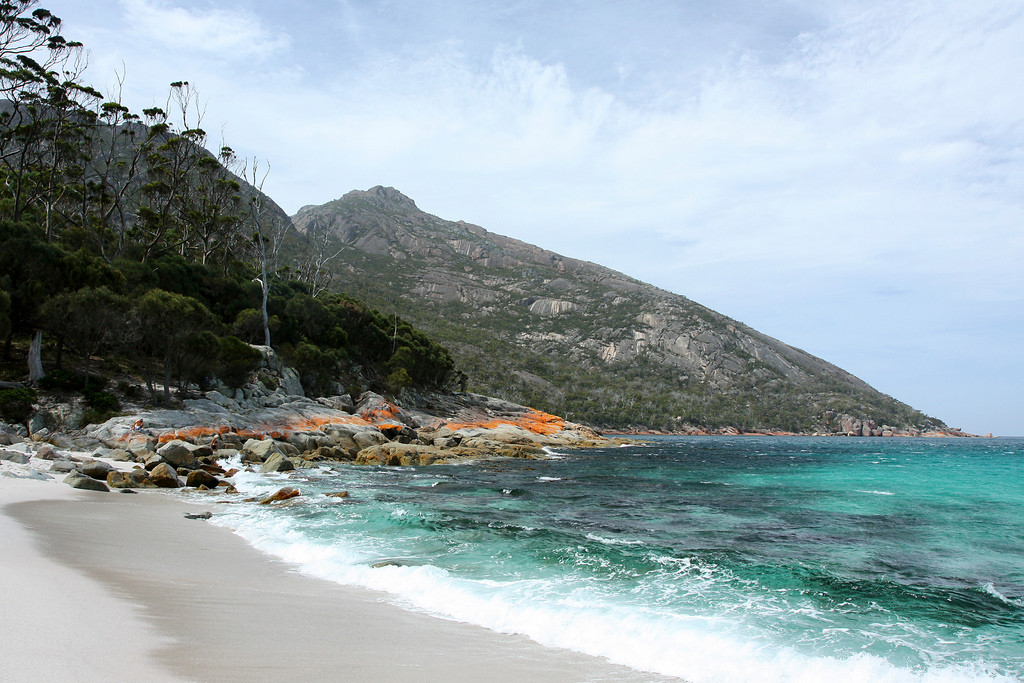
(237, 362)
(16, 405)
(249, 325)
(317, 367)
(398, 380)
(101, 401)
(66, 380)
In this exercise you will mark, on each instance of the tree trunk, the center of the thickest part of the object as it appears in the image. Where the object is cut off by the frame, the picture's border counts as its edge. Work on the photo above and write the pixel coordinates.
(35, 358)
(266, 319)
(167, 382)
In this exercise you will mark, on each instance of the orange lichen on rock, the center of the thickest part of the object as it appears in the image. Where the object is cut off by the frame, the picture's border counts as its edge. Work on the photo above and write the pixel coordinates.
(381, 416)
(190, 433)
(274, 431)
(534, 421)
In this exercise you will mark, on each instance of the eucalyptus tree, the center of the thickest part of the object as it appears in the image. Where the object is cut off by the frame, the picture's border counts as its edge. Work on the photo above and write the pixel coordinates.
(169, 324)
(314, 270)
(106, 206)
(267, 229)
(39, 72)
(89, 320)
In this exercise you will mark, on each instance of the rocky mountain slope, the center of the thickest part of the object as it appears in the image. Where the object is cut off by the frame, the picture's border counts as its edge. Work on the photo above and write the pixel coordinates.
(578, 339)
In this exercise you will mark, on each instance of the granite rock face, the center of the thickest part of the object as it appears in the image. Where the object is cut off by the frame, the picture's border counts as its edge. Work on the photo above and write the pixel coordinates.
(536, 326)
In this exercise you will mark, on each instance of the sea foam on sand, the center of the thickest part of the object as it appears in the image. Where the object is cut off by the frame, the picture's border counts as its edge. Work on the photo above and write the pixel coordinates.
(105, 586)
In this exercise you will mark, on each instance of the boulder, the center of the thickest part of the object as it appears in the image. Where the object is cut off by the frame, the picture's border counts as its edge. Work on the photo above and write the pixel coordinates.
(17, 430)
(343, 403)
(337, 494)
(399, 433)
(197, 478)
(342, 439)
(48, 452)
(261, 449)
(120, 455)
(62, 466)
(306, 442)
(152, 460)
(97, 469)
(140, 445)
(394, 454)
(39, 421)
(164, 476)
(376, 409)
(203, 450)
(223, 453)
(16, 457)
(228, 440)
(77, 480)
(291, 383)
(368, 439)
(140, 478)
(277, 462)
(135, 479)
(179, 454)
(281, 494)
(222, 400)
(117, 479)
(336, 453)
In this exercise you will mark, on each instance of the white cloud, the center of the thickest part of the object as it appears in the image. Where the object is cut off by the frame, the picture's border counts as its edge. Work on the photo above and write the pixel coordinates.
(233, 35)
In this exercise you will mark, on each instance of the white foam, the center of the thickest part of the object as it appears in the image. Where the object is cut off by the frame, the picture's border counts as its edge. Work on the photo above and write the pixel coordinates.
(877, 493)
(991, 590)
(613, 541)
(700, 649)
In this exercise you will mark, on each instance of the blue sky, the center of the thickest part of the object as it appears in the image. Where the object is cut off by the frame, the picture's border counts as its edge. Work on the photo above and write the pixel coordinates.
(847, 177)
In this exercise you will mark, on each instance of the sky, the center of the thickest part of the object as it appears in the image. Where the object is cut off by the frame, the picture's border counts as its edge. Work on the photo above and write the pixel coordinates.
(846, 176)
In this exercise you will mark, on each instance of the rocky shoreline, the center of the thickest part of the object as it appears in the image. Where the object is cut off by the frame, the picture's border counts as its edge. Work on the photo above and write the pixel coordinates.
(845, 425)
(271, 427)
(281, 432)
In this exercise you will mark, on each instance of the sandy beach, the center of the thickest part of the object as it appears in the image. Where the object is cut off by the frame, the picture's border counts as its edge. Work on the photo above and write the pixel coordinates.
(107, 586)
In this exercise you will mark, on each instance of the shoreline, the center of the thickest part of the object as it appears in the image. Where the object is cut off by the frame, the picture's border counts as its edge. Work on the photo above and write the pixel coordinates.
(126, 586)
(732, 431)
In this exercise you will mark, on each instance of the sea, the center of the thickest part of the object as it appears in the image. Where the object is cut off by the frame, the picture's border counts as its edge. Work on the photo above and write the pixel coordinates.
(714, 559)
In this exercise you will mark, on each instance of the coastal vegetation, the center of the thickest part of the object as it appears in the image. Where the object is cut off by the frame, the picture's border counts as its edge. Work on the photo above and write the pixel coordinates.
(127, 249)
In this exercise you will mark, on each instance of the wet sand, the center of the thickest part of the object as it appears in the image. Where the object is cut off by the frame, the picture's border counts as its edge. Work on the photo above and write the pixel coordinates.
(108, 586)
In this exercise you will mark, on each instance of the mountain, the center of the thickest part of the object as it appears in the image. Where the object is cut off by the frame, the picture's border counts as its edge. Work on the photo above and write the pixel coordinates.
(578, 339)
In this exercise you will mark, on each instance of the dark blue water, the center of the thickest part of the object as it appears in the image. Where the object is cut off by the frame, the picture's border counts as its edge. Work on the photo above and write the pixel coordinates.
(709, 558)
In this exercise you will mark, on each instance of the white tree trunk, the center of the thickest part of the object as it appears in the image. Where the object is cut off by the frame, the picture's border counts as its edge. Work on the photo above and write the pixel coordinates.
(35, 358)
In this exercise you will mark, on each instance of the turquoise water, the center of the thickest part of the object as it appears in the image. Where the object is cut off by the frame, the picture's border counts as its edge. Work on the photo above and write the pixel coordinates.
(708, 558)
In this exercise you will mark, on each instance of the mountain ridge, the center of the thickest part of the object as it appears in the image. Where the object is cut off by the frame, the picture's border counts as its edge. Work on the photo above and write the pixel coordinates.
(568, 335)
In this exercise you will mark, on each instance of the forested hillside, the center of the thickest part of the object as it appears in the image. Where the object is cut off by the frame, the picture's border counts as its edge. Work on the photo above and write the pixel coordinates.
(128, 249)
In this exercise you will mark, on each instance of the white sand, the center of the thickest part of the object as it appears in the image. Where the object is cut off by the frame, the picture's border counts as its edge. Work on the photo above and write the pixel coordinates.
(56, 623)
(108, 586)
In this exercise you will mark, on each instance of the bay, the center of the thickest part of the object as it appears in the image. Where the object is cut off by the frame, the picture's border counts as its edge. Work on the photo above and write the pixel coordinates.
(709, 558)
